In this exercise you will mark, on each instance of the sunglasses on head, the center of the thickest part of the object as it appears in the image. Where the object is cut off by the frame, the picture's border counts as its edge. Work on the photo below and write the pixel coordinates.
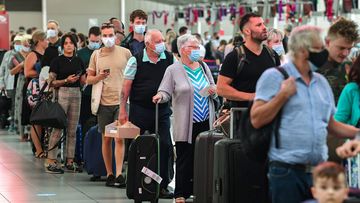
(107, 25)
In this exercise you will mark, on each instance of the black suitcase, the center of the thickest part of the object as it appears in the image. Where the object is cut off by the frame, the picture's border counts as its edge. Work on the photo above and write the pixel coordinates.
(143, 156)
(204, 164)
(237, 178)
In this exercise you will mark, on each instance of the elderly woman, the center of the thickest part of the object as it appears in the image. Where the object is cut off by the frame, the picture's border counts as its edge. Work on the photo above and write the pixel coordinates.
(308, 107)
(191, 87)
(274, 41)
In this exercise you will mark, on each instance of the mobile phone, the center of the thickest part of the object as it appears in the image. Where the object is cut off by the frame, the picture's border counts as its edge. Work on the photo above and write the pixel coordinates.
(107, 70)
(79, 73)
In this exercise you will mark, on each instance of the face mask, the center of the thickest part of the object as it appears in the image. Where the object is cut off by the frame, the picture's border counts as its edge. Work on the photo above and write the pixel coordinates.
(25, 49)
(318, 58)
(279, 49)
(108, 41)
(357, 45)
(140, 29)
(194, 55)
(17, 48)
(208, 37)
(160, 48)
(51, 33)
(94, 45)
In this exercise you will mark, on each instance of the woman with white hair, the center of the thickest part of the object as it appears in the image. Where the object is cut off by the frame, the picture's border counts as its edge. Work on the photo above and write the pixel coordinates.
(274, 41)
(191, 88)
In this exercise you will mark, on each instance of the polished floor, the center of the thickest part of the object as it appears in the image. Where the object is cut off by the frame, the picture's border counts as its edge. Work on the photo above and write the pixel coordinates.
(22, 179)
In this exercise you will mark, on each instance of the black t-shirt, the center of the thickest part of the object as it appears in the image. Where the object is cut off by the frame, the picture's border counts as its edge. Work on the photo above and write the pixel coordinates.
(251, 72)
(64, 66)
(51, 52)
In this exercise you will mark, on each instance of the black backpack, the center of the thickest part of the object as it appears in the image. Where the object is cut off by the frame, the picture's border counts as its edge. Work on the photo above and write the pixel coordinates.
(256, 142)
(243, 60)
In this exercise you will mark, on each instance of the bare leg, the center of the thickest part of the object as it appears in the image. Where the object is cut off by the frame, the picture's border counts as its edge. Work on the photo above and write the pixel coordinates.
(119, 155)
(107, 153)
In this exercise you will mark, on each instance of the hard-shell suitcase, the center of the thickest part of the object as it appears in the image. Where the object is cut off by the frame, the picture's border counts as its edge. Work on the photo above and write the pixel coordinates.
(143, 181)
(236, 177)
(204, 164)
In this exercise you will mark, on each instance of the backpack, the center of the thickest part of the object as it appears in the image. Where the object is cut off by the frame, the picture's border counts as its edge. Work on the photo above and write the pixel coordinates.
(256, 142)
(242, 57)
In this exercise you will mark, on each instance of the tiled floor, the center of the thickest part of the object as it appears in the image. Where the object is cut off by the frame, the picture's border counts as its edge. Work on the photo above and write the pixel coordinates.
(22, 179)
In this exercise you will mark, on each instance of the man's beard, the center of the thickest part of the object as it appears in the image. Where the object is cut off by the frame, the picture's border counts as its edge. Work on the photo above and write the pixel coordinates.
(258, 37)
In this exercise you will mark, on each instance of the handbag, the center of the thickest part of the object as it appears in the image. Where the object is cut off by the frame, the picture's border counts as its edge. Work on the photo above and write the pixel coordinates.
(96, 89)
(47, 113)
(5, 102)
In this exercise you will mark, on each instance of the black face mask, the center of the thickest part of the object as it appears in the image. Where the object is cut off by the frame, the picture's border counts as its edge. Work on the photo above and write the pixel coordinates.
(318, 58)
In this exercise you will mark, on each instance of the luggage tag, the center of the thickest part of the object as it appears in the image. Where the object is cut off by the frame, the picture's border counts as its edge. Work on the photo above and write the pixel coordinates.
(151, 174)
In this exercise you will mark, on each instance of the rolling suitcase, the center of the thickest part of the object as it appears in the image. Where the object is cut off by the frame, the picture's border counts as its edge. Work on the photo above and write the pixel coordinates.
(204, 164)
(236, 177)
(143, 181)
(93, 159)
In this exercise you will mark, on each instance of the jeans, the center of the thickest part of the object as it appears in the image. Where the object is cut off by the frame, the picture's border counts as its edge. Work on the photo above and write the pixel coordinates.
(287, 185)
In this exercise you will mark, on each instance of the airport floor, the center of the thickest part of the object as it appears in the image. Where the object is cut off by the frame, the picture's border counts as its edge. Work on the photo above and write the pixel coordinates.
(23, 179)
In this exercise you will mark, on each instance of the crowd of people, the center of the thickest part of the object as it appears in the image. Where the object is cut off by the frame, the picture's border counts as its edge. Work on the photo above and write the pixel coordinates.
(107, 76)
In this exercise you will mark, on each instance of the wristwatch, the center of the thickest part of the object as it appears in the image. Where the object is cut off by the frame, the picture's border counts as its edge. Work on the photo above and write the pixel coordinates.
(66, 81)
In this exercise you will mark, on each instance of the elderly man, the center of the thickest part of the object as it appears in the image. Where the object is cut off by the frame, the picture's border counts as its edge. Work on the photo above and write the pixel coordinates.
(143, 74)
(308, 106)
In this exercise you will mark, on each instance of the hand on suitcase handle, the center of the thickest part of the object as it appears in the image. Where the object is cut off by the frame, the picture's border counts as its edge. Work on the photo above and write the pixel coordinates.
(157, 98)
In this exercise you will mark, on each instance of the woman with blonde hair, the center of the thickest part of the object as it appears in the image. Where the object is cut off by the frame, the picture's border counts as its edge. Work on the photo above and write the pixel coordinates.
(170, 36)
(32, 67)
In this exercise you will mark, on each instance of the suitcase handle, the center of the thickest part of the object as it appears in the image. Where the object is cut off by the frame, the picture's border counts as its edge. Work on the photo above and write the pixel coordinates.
(157, 119)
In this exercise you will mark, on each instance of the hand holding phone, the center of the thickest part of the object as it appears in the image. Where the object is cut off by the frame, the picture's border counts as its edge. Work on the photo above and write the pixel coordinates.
(107, 70)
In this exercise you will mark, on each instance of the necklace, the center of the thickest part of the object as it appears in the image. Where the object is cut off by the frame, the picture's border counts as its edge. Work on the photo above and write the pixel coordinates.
(69, 59)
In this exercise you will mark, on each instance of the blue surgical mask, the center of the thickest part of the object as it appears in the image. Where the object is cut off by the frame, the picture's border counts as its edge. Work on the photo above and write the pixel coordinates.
(279, 49)
(51, 33)
(194, 55)
(94, 45)
(17, 47)
(140, 29)
(160, 48)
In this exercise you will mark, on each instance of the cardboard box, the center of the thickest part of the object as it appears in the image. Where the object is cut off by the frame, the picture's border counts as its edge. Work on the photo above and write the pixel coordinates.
(128, 130)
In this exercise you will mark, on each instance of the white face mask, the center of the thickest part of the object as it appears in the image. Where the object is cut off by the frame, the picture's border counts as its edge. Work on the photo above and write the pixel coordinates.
(108, 41)
(25, 49)
(51, 33)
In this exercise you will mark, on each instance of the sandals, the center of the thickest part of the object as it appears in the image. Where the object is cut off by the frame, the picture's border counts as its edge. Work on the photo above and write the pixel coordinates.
(180, 200)
(41, 155)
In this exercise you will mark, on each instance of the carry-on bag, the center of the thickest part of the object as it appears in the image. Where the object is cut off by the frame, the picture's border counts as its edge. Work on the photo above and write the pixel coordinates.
(143, 181)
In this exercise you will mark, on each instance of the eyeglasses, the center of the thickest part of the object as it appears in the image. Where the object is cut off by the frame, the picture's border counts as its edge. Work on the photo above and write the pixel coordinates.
(107, 25)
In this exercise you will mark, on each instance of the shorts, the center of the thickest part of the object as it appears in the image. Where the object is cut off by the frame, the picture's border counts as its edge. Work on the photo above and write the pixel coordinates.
(106, 115)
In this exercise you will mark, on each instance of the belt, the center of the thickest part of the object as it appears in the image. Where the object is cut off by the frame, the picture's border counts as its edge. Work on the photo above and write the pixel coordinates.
(300, 167)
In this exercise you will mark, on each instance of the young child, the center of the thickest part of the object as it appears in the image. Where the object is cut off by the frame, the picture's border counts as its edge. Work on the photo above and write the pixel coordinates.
(329, 183)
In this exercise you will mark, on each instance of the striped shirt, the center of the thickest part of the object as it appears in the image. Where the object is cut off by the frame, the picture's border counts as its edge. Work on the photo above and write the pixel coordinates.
(201, 104)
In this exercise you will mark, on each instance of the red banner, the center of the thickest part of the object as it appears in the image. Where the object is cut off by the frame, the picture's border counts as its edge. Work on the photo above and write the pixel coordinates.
(4, 31)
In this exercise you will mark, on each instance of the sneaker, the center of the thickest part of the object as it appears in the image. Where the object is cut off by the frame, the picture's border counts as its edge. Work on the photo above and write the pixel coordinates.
(53, 168)
(95, 178)
(120, 181)
(110, 181)
(73, 168)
